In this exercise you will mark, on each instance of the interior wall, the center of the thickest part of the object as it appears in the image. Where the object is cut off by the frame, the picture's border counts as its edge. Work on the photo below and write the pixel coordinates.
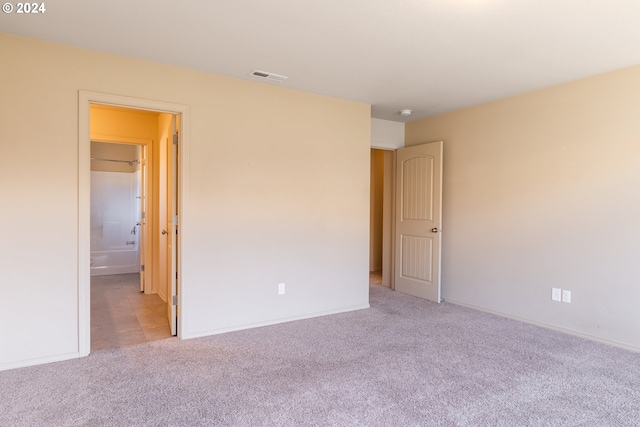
(279, 193)
(541, 191)
(125, 152)
(387, 135)
(123, 122)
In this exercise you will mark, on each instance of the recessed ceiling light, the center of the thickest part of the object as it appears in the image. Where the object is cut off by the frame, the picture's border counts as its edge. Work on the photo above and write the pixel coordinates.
(405, 112)
(268, 76)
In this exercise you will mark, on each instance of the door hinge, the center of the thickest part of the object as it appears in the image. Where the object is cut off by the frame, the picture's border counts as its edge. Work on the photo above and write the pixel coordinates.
(175, 139)
(142, 267)
(174, 300)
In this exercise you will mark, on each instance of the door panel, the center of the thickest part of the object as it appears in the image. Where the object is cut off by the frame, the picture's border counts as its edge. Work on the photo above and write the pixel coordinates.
(416, 262)
(172, 226)
(419, 220)
(142, 221)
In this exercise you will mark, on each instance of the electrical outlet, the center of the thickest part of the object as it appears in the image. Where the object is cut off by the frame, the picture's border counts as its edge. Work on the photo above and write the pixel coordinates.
(566, 296)
(555, 294)
(280, 288)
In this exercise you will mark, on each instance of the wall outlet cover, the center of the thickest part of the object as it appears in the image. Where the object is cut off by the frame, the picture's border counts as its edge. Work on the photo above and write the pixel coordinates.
(566, 296)
(556, 294)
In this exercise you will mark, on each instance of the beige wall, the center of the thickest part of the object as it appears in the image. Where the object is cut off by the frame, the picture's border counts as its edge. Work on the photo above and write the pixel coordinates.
(103, 154)
(541, 191)
(279, 188)
(122, 122)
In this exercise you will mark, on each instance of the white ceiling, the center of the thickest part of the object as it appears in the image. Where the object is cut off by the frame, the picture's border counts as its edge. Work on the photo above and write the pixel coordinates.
(430, 56)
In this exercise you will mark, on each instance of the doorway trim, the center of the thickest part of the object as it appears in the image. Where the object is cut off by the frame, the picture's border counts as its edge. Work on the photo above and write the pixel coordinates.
(85, 99)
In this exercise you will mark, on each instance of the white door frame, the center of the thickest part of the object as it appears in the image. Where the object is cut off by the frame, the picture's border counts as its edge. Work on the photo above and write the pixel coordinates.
(85, 99)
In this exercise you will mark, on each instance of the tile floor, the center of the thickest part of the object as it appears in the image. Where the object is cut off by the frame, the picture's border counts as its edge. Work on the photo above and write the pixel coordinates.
(122, 315)
(375, 277)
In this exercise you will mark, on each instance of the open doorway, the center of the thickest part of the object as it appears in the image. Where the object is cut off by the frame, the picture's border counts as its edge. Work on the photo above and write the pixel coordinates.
(381, 217)
(152, 129)
(124, 310)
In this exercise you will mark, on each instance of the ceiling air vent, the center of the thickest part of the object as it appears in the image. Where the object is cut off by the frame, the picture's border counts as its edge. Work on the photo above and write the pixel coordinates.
(268, 76)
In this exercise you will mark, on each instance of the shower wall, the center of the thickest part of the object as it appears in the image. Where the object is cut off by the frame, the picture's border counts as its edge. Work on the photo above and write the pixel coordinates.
(115, 212)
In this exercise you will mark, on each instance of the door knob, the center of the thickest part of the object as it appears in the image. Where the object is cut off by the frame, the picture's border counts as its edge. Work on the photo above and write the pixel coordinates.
(164, 232)
(435, 230)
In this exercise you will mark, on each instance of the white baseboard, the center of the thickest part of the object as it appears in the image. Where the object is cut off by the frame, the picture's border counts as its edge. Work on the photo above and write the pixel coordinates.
(211, 332)
(549, 326)
(5, 366)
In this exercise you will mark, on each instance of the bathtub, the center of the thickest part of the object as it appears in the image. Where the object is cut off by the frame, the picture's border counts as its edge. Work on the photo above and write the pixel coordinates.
(115, 261)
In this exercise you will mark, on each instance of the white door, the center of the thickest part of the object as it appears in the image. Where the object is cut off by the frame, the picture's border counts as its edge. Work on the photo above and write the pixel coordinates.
(419, 220)
(172, 226)
(142, 221)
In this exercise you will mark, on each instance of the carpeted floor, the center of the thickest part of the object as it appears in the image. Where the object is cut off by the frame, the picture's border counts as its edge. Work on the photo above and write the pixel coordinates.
(403, 362)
